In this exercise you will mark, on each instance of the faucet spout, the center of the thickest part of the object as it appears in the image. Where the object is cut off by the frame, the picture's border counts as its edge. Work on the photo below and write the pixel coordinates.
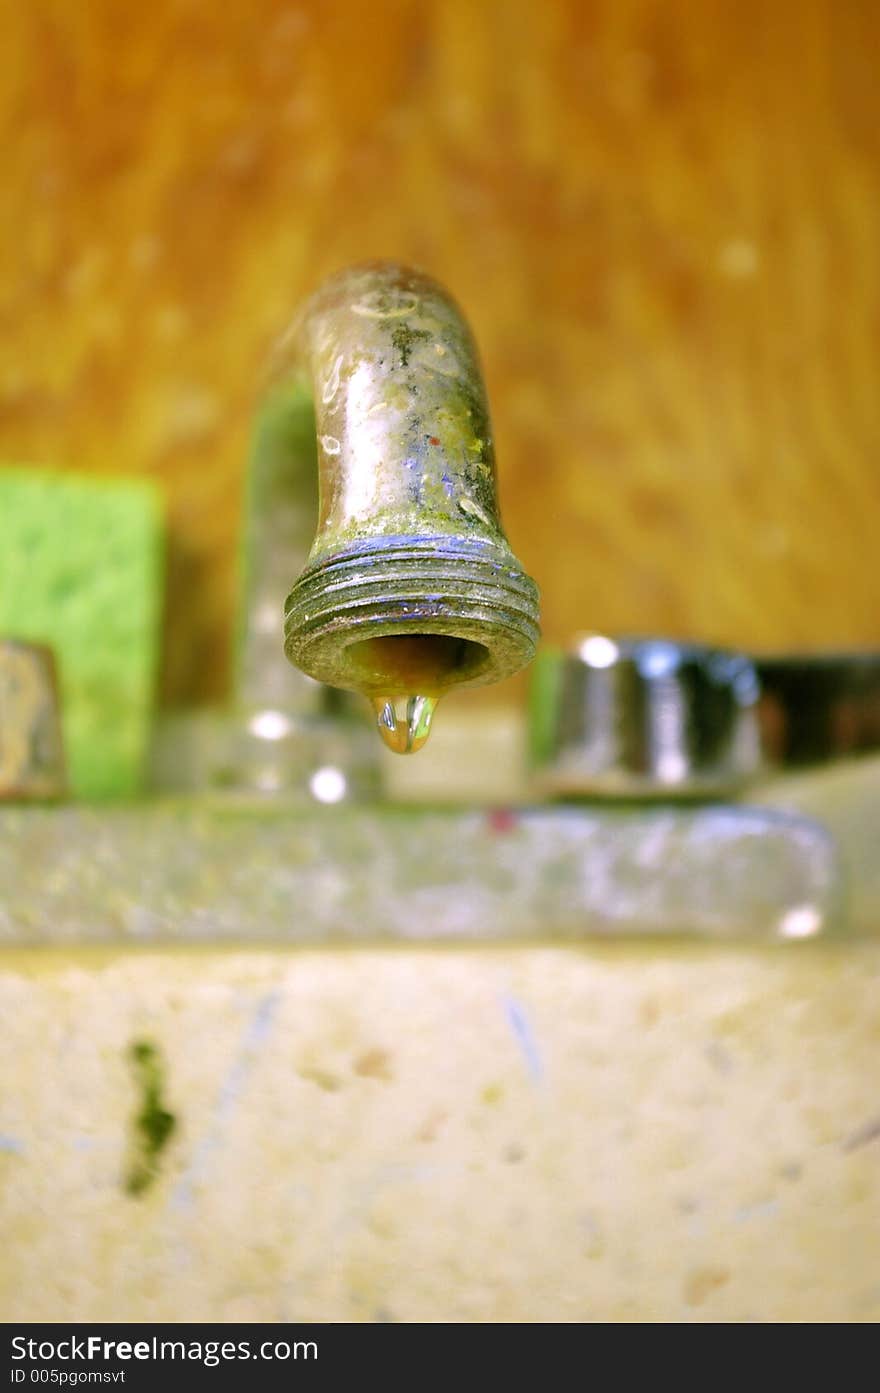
(410, 587)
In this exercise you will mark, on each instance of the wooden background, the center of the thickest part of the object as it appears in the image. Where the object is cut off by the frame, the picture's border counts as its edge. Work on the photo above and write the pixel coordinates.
(663, 220)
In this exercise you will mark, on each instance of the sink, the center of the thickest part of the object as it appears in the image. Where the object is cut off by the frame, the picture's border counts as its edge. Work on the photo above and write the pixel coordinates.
(481, 1133)
(234, 870)
(273, 1063)
(291, 1054)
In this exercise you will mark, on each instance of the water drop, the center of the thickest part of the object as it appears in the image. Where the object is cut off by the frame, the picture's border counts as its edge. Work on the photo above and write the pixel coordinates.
(404, 722)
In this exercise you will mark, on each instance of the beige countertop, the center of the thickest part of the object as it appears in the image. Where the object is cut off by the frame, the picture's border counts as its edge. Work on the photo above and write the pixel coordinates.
(498, 1133)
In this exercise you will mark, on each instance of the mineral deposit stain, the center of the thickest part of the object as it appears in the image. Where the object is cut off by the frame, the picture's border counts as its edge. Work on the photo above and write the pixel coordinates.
(153, 1123)
(863, 1136)
(431, 1126)
(405, 338)
(324, 1080)
(373, 1064)
(700, 1284)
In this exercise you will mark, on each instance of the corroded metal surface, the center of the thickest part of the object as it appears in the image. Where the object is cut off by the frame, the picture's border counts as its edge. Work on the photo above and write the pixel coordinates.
(31, 750)
(193, 872)
(409, 539)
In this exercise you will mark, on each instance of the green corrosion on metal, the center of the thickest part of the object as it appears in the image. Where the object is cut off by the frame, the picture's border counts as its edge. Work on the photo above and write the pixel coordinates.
(153, 1123)
(404, 338)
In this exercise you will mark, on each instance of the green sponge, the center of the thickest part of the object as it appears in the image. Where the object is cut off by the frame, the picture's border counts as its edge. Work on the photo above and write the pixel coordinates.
(81, 568)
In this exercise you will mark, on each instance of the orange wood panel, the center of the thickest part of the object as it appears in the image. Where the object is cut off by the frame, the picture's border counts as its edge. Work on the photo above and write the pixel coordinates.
(663, 220)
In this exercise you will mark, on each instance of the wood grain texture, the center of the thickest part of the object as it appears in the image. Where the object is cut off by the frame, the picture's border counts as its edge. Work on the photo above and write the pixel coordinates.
(663, 221)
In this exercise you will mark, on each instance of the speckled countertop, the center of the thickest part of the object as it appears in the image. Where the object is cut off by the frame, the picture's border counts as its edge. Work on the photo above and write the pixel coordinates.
(465, 1130)
(460, 1134)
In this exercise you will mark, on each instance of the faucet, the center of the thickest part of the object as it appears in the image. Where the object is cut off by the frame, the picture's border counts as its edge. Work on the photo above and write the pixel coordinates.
(372, 473)
(410, 587)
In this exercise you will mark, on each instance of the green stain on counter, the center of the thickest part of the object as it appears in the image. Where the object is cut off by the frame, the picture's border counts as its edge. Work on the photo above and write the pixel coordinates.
(154, 1124)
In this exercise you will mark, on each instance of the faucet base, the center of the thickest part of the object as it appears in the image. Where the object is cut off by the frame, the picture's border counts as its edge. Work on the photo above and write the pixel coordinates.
(266, 752)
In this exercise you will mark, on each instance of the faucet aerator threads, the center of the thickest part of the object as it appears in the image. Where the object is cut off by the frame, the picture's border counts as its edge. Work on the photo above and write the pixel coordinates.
(462, 607)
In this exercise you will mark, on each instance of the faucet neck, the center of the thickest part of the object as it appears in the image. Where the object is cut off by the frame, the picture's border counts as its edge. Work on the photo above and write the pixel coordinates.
(281, 506)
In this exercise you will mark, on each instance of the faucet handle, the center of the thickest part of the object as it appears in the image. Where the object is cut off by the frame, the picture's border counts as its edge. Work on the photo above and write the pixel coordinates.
(817, 707)
(656, 718)
(31, 748)
(643, 718)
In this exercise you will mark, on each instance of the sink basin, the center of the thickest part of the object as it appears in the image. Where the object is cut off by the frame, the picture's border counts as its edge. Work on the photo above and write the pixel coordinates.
(343, 1064)
(506, 1133)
